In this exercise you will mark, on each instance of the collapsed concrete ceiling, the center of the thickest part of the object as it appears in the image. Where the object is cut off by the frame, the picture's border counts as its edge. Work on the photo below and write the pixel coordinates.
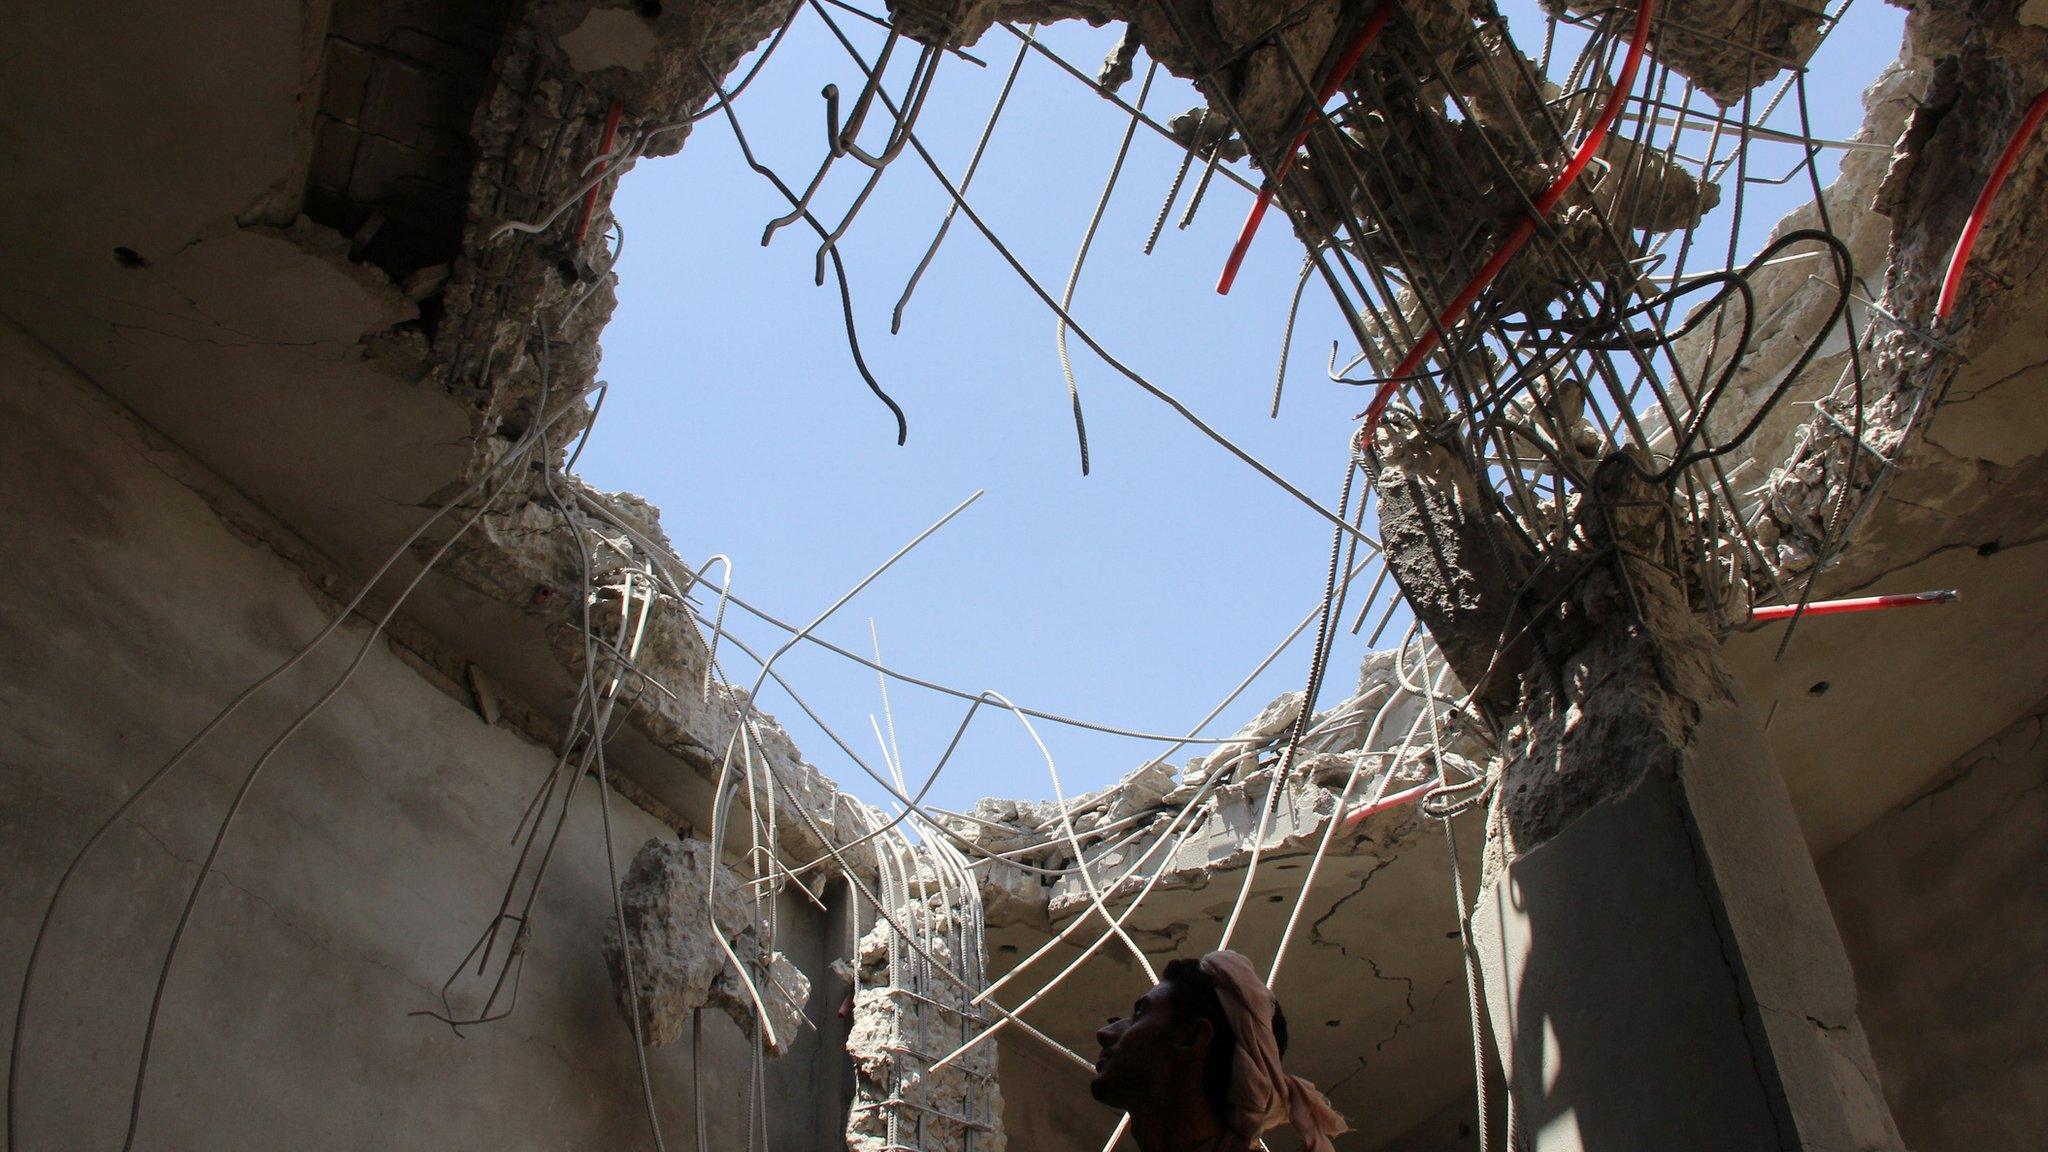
(269, 232)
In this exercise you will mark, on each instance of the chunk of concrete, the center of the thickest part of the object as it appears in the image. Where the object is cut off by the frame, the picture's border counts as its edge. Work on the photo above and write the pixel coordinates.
(678, 964)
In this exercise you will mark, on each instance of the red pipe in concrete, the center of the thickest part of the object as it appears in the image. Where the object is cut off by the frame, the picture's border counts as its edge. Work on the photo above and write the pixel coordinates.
(1772, 612)
(1386, 802)
(611, 131)
(1859, 604)
(1524, 227)
(1959, 260)
(1338, 75)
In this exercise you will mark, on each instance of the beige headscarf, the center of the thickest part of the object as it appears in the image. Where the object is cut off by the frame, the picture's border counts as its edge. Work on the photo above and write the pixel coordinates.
(1261, 1092)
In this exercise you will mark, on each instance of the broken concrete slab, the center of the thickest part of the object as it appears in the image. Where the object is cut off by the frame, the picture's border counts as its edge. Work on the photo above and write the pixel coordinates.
(673, 931)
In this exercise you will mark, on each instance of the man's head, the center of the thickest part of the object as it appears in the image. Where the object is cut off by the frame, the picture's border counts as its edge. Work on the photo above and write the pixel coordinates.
(1175, 1048)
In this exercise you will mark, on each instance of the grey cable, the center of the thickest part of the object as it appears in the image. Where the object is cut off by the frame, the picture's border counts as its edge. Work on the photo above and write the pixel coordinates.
(1116, 169)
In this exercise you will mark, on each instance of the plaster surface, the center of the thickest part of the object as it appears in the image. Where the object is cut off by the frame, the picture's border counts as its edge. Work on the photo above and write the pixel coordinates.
(1943, 903)
(366, 861)
(1604, 976)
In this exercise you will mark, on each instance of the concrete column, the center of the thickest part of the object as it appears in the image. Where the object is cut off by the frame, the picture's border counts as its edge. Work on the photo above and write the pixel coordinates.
(1661, 966)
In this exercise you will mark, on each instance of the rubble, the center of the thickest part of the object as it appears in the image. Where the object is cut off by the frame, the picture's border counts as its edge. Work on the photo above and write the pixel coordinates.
(1395, 166)
(1944, 109)
(906, 1016)
(1379, 733)
(1410, 154)
(1618, 702)
(1793, 300)
(678, 965)
(1634, 665)
(526, 555)
(566, 64)
(1727, 49)
(1461, 573)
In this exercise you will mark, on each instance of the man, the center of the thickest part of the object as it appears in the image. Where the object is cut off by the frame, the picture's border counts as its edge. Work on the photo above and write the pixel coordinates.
(1197, 1064)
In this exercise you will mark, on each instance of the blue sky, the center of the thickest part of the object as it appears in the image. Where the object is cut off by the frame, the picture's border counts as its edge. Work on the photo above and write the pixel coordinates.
(1136, 596)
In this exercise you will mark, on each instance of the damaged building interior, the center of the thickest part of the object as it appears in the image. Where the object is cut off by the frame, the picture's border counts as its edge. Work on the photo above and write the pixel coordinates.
(371, 780)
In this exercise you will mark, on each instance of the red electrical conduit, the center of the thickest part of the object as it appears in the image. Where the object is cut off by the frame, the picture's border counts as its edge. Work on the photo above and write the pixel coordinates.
(611, 131)
(1772, 612)
(1386, 802)
(1338, 75)
(1859, 604)
(1524, 227)
(1959, 261)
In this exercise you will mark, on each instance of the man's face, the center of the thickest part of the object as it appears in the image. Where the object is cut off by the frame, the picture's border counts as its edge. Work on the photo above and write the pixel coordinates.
(1141, 1053)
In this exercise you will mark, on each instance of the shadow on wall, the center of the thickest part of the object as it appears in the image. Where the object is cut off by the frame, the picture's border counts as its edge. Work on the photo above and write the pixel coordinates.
(1943, 905)
(1653, 1053)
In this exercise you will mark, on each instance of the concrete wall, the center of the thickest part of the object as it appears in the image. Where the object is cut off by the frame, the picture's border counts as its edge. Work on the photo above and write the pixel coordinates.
(1454, 1128)
(366, 861)
(1943, 904)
